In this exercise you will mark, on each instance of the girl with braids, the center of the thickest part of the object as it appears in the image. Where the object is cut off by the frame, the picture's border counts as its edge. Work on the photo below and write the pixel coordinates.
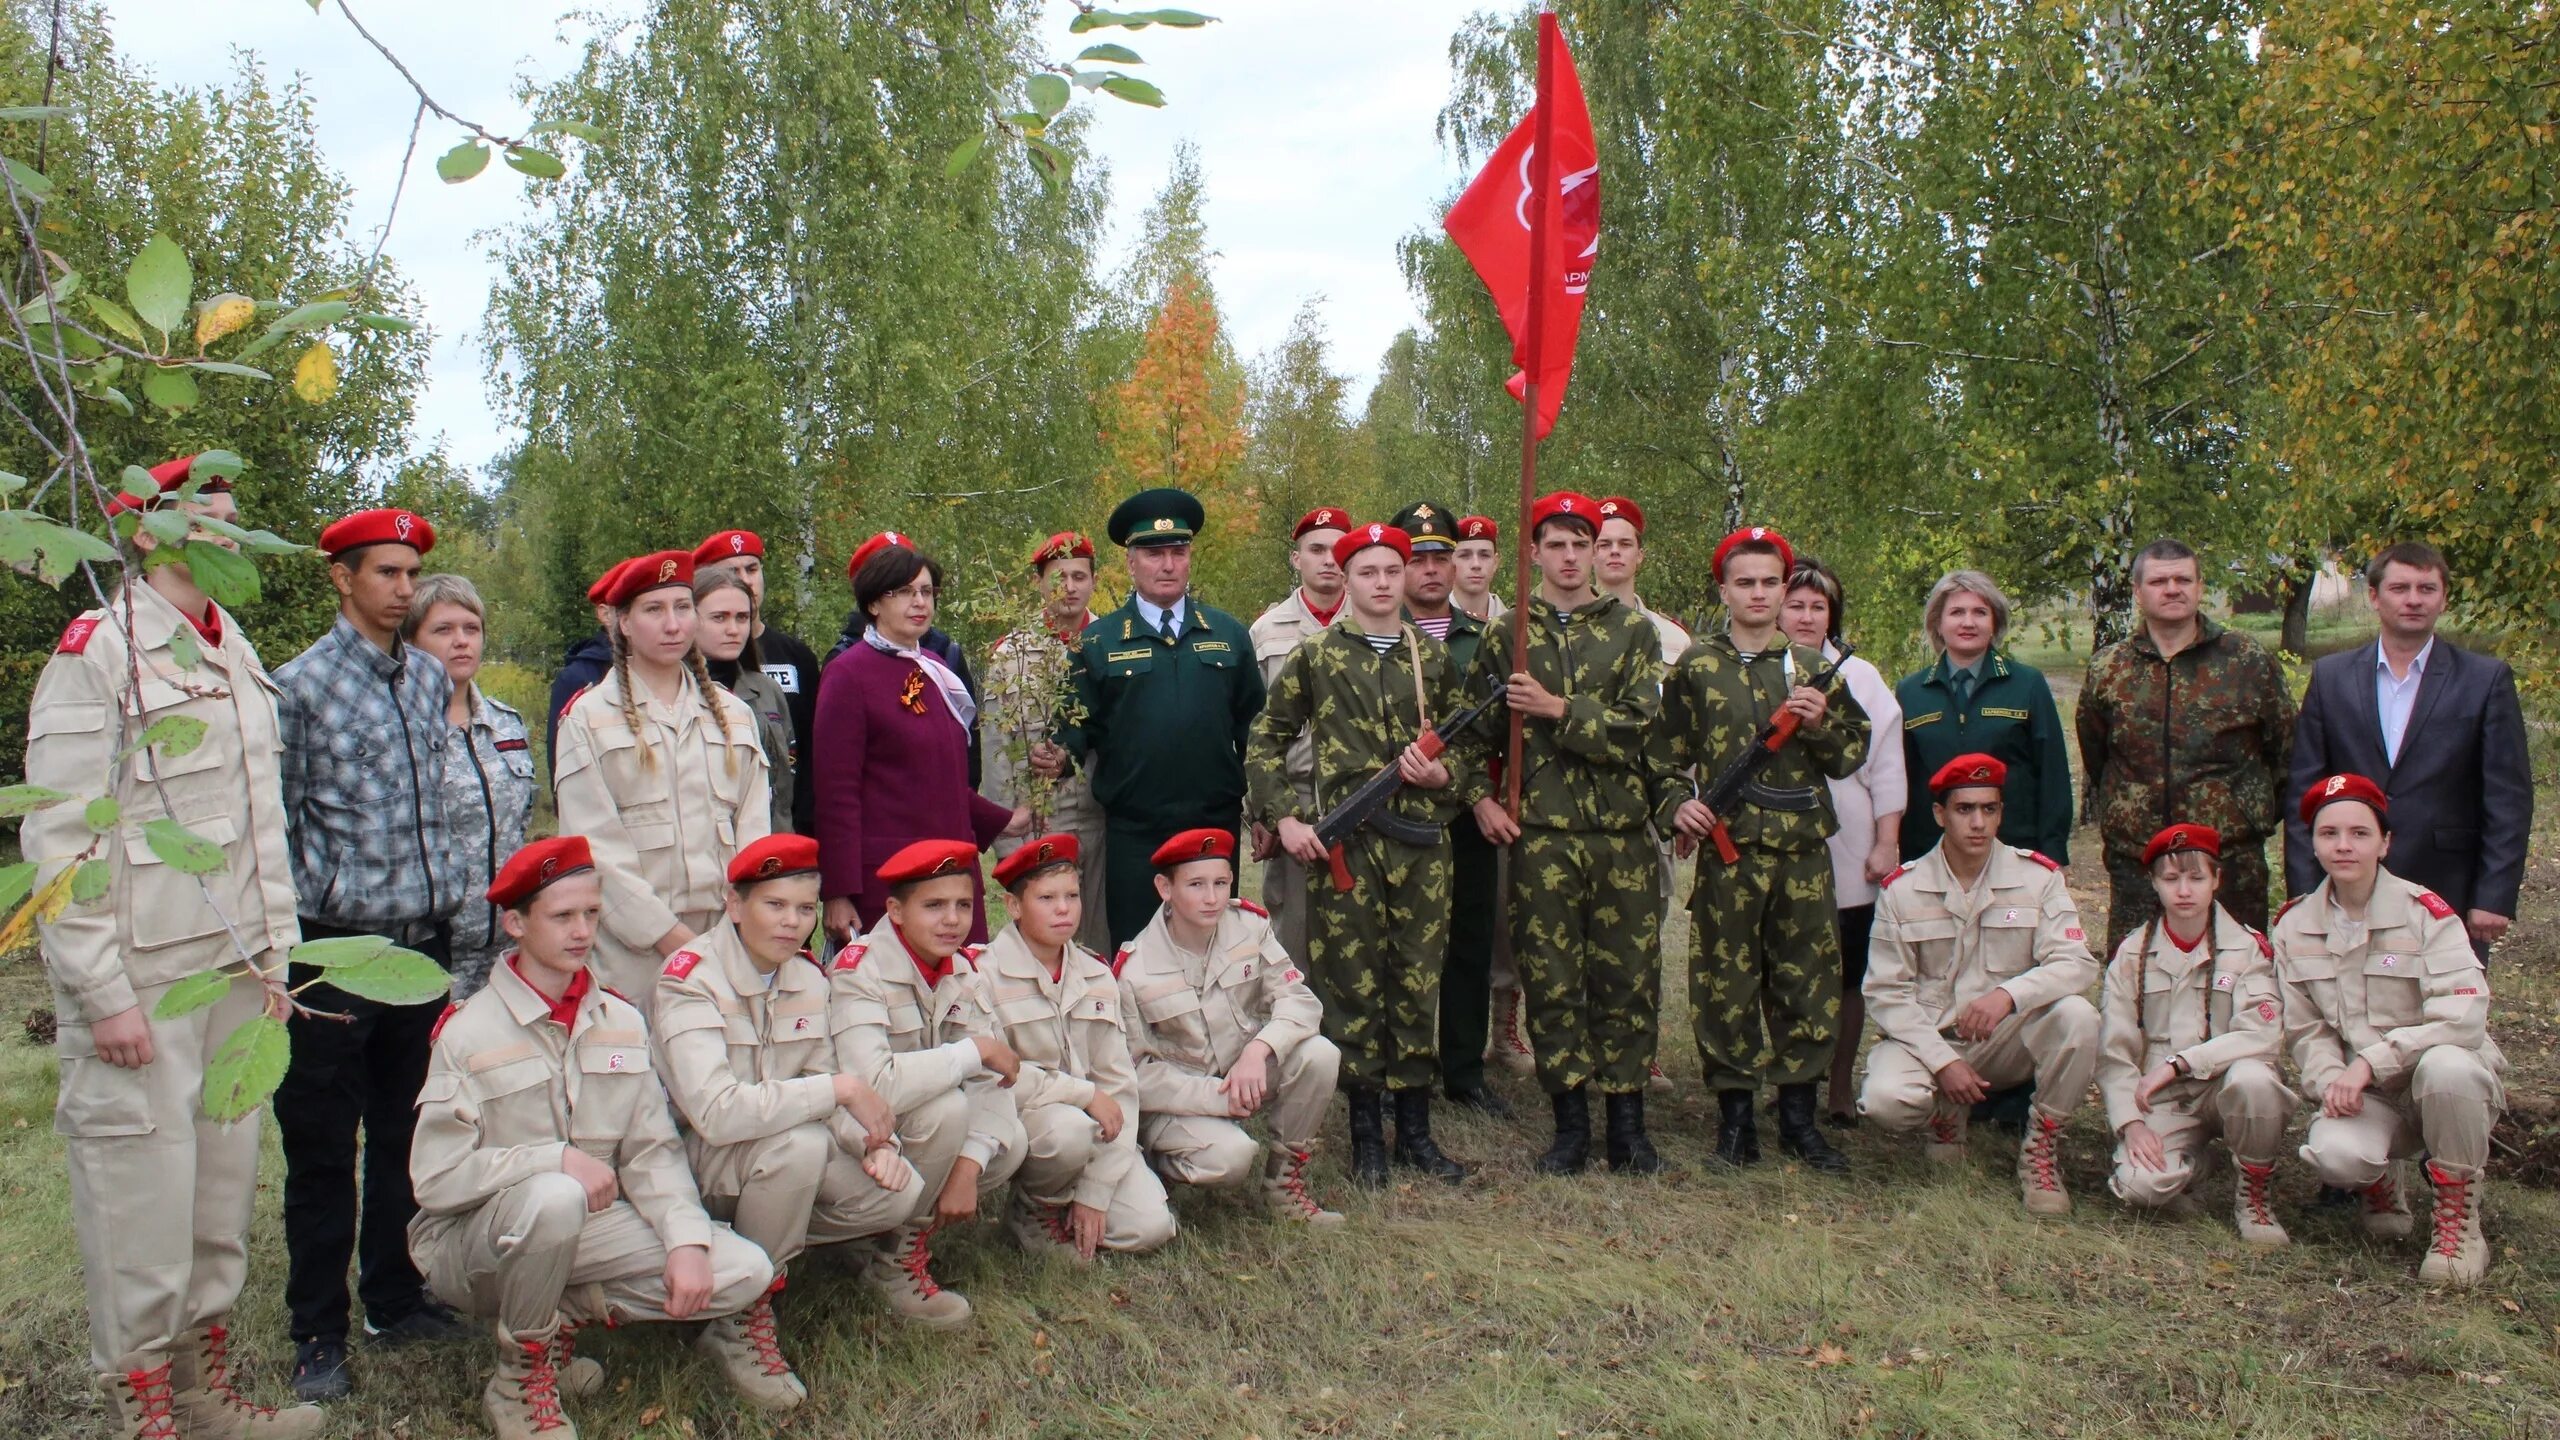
(725, 633)
(660, 769)
(2193, 1021)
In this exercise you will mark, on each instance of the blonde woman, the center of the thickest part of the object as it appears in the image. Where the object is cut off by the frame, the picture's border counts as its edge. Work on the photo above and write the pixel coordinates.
(661, 770)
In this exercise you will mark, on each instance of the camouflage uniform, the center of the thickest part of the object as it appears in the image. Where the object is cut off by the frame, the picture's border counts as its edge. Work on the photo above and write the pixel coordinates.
(1377, 950)
(1475, 911)
(1586, 885)
(1767, 934)
(1277, 634)
(2201, 738)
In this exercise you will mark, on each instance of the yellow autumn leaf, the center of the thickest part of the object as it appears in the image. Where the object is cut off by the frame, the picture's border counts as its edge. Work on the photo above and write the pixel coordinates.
(315, 375)
(221, 315)
(45, 905)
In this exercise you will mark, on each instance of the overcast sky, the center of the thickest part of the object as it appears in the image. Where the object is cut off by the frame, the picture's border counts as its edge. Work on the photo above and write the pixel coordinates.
(1313, 118)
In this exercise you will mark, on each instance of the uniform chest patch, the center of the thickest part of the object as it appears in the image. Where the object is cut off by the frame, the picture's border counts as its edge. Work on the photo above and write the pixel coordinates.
(2008, 914)
(1101, 1008)
(799, 1024)
(2267, 1011)
(954, 1012)
(2390, 962)
(2222, 982)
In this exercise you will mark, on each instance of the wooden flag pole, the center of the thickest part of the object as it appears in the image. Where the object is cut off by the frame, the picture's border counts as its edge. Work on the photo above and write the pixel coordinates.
(1540, 173)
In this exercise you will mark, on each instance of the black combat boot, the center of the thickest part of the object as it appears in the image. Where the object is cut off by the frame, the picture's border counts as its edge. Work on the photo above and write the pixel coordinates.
(1630, 1152)
(1414, 1146)
(1481, 1099)
(1368, 1139)
(1799, 1136)
(1572, 1149)
(1738, 1132)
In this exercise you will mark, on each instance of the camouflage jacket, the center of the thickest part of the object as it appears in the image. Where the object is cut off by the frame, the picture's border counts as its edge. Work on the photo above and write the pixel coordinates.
(1357, 707)
(1713, 705)
(1589, 770)
(2201, 738)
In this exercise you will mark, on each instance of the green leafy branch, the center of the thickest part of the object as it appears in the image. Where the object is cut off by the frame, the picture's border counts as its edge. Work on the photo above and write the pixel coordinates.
(1047, 94)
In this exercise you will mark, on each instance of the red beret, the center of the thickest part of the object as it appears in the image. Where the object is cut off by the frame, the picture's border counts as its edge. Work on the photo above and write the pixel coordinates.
(1065, 545)
(1355, 541)
(1038, 853)
(641, 574)
(1619, 507)
(874, 546)
(1966, 772)
(1567, 505)
(604, 583)
(170, 474)
(1323, 517)
(378, 527)
(773, 857)
(1755, 535)
(2344, 787)
(537, 865)
(2183, 837)
(729, 545)
(1478, 527)
(1190, 845)
(930, 860)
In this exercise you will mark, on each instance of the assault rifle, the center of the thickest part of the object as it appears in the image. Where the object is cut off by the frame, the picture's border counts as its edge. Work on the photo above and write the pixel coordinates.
(1721, 796)
(1367, 805)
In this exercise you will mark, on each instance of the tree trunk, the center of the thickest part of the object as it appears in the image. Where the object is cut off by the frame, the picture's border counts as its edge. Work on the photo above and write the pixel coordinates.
(2298, 584)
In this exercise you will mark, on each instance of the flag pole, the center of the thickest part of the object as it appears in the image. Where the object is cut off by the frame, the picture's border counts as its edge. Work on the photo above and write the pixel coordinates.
(1540, 171)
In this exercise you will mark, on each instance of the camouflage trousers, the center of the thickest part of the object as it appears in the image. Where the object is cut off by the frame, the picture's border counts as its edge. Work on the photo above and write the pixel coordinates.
(1586, 918)
(1766, 948)
(2131, 902)
(1375, 953)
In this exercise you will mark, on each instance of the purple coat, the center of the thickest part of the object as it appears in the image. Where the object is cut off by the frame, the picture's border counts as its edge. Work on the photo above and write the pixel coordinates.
(887, 776)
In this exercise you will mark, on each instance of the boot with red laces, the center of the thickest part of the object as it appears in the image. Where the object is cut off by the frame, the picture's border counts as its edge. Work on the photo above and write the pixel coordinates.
(1284, 1187)
(210, 1408)
(2040, 1166)
(577, 1375)
(2253, 1206)
(1041, 1229)
(141, 1401)
(2382, 1208)
(522, 1400)
(748, 1349)
(1948, 1123)
(2457, 1256)
(903, 1272)
(1510, 1046)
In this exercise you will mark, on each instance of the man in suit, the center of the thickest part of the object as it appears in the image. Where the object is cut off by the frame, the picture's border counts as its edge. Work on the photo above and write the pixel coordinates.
(2438, 727)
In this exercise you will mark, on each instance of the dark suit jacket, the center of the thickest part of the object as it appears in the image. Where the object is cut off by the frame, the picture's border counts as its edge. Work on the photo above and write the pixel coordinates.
(2462, 794)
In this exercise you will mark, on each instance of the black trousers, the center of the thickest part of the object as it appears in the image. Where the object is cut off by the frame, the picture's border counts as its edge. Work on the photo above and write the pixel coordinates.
(358, 1077)
(1466, 974)
(1129, 868)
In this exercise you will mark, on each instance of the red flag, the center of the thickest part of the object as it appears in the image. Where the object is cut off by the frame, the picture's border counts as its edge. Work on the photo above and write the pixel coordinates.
(1523, 201)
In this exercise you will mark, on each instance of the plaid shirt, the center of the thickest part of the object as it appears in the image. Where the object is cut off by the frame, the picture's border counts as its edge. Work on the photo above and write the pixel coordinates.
(364, 784)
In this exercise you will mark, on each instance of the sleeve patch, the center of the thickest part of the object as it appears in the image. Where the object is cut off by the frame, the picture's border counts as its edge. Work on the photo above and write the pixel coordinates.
(2434, 904)
(1250, 908)
(680, 964)
(2074, 932)
(850, 957)
(75, 636)
(2045, 860)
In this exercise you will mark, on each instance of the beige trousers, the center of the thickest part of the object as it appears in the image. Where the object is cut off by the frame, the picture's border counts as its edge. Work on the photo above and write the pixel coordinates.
(1060, 1141)
(1212, 1150)
(2445, 1110)
(800, 1188)
(2056, 1046)
(2246, 1105)
(534, 1252)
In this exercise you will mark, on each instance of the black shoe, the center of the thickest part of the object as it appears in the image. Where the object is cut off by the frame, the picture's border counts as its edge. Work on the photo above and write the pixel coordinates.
(320, 1370)
(2333, 1198)
(1738, 1131)
(1368, 1139)
(1414, 1148)
(1840, 1119)
(1481, 1100)
(429, 1323)
(1572, 1148)
(1799, 1136)
(1630, 1151)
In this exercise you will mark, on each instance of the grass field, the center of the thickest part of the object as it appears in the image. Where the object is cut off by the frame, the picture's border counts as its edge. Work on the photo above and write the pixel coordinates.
(1899, 1302)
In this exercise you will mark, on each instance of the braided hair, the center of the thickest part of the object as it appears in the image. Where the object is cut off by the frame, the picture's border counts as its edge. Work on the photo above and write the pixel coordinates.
(2212, 943)
(706, 694)
(622, 683)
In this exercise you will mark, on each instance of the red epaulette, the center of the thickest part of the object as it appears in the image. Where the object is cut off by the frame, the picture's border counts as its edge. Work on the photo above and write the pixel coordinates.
(574, 697)
(2283, 910)
(850, 957)
(2435, 905)
(2045, 860)
(812, 957)
(1119, 960)
(618, 995)
(966, 955)
(75, 636)
(438, 1028)
(2266, 947)
(680, 964)
(1898, 872)
(1249, 907)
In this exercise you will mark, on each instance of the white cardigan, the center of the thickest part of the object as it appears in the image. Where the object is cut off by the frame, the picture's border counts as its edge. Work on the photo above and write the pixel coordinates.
(1879, 787)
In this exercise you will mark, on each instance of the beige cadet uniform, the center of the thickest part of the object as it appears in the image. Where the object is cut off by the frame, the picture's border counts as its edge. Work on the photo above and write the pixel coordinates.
(752, 1074)
(160, 1196)
(1279, 630)
(2406, 994)
(1067, 1031)
(501, 1230)
(884, 1021)
(1189, 1017)
(2216, 1008)
(1937, 949)
(1022, 673)
(665, 808)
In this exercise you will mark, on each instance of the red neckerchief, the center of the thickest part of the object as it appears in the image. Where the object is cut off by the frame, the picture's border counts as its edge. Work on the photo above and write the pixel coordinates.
(1068, 637)
(564, 1011)
(210, 627)
(2185, 947)
(1323, 617)
(933, 974)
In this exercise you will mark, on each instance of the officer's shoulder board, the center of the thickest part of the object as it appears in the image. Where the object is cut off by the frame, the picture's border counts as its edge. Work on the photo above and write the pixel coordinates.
(680, 964)
(2435, 905)
(2042, 859)
(1898, 872)
(618, 995)
(1249, 907)
(2266, 947)
(574, 697)
(2283, 910)
(850, 957)
(438, 1028)
(968, 955)
(812, 957)
(76, 635)
(1119, 960)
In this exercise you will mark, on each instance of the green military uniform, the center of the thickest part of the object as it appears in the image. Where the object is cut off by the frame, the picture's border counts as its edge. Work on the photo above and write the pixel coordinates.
(1164, 718)
(1766, 928)
(2007, 714)
(2200, 738)
(1378, 949)
(1586, 886)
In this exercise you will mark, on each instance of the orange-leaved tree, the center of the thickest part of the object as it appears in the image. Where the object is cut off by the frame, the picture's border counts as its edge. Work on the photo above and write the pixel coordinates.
(1179, 420)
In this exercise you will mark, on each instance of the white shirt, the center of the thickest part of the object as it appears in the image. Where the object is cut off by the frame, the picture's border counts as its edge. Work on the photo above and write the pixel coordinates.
(1155, 614)
(1877, 787)
(2393, 697)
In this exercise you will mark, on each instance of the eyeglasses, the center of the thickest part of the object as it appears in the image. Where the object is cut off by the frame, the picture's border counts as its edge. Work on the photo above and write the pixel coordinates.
(920, 590)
